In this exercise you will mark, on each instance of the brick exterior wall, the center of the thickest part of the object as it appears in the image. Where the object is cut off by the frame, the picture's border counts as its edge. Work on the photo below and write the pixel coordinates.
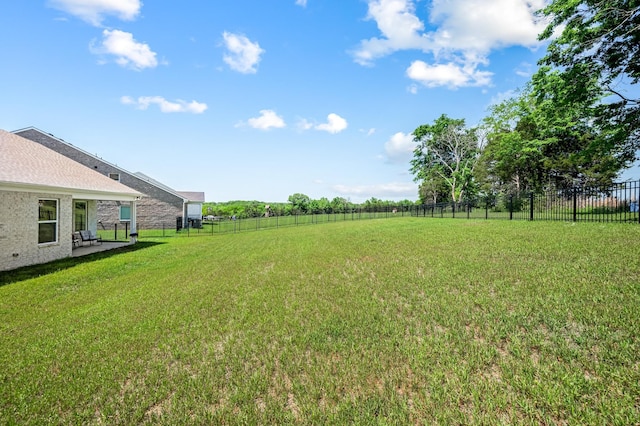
(157, 208)
(19, 230)
(151, 213)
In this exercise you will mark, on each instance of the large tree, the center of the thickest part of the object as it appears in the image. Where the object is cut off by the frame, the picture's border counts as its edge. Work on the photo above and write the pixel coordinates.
(579, 147)
(447, 153)
(597, 60)
(513, 157)
(541, 139)
(433, 189)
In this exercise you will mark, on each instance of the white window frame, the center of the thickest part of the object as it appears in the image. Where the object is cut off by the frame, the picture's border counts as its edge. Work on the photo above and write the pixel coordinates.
(48, 221)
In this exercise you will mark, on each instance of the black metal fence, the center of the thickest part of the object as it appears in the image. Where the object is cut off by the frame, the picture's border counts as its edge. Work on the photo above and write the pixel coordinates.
(617, 203)
(229, 225)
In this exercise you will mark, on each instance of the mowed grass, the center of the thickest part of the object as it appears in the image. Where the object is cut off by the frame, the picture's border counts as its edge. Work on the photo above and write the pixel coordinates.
(407, 321)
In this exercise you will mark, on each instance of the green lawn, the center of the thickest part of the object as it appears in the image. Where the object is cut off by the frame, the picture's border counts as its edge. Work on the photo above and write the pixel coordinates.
(406, 321)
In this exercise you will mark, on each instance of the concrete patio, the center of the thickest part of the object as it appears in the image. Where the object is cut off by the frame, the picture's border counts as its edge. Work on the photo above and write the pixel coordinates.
(95, 248)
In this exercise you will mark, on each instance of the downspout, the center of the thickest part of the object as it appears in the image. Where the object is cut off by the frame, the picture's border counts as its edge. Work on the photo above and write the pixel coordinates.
(185, 216)
(133, 233)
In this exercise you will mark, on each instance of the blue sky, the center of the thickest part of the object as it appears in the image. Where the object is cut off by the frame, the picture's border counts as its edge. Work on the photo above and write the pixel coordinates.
(258, 100)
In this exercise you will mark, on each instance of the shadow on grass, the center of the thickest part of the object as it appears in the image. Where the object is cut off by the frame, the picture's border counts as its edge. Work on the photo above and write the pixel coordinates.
(34, 271)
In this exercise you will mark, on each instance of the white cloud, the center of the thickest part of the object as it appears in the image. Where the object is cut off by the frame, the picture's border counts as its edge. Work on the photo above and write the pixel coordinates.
(399, 149)
(304, 124)
(268, 119)
(396, 190)
(94, 11)
(450, 75)
(480, 26)
(465, 32)
(400, 29)
(302, 3)
(179, 105)
(334, 124)
(242, 54)
(525, 70)
(128, 52)
(503, 96)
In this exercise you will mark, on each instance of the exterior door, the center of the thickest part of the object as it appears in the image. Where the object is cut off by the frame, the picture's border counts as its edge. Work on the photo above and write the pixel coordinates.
(79, 215)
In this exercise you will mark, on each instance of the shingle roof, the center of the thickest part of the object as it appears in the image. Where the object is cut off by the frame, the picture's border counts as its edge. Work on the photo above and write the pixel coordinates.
(27, 164)
(158, 184)
(194, 197)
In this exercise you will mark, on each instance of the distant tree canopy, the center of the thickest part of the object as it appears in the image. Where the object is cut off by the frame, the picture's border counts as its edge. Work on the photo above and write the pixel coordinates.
(298, 204)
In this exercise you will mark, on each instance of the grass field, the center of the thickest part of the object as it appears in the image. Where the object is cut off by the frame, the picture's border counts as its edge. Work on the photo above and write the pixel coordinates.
(407, 321)
(224, 226)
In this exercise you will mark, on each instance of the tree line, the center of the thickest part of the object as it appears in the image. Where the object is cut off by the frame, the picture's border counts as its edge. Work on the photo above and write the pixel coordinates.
(575, 123)
(297, 204)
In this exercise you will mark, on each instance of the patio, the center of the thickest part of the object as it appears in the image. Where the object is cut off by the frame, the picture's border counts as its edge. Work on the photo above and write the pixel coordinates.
(95, 248)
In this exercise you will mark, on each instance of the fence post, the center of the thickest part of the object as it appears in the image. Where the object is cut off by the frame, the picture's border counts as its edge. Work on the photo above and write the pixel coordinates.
(511, 207)
(531, 205)
(637, 185)
(115, 231)
(575, 204)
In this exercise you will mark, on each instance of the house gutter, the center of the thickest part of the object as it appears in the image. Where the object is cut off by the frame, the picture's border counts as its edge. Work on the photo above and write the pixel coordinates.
(86, 194)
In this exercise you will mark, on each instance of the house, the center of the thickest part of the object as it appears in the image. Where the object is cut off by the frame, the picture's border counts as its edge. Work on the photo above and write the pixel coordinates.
(160, 206)
(44, 198)
(192, 201)
(194, 207)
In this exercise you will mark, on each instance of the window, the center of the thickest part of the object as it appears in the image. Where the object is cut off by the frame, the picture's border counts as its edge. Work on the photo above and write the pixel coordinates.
(115, 176)
(47, 221)
(79, 215)
(125, 213)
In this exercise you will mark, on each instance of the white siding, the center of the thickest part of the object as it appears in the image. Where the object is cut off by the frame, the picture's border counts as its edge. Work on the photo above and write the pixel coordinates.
(194, 211)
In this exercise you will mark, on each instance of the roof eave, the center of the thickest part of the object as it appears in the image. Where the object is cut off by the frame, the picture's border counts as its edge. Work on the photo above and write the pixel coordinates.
(78, 193)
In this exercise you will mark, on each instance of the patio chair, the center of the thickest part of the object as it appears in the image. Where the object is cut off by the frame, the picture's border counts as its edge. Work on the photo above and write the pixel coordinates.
(89, 236)
(75, 238)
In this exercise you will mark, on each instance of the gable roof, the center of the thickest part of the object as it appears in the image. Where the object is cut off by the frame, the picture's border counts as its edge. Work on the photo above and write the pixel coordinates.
(28, 166)
(137, 175)
(193, 197)
(160, 185)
